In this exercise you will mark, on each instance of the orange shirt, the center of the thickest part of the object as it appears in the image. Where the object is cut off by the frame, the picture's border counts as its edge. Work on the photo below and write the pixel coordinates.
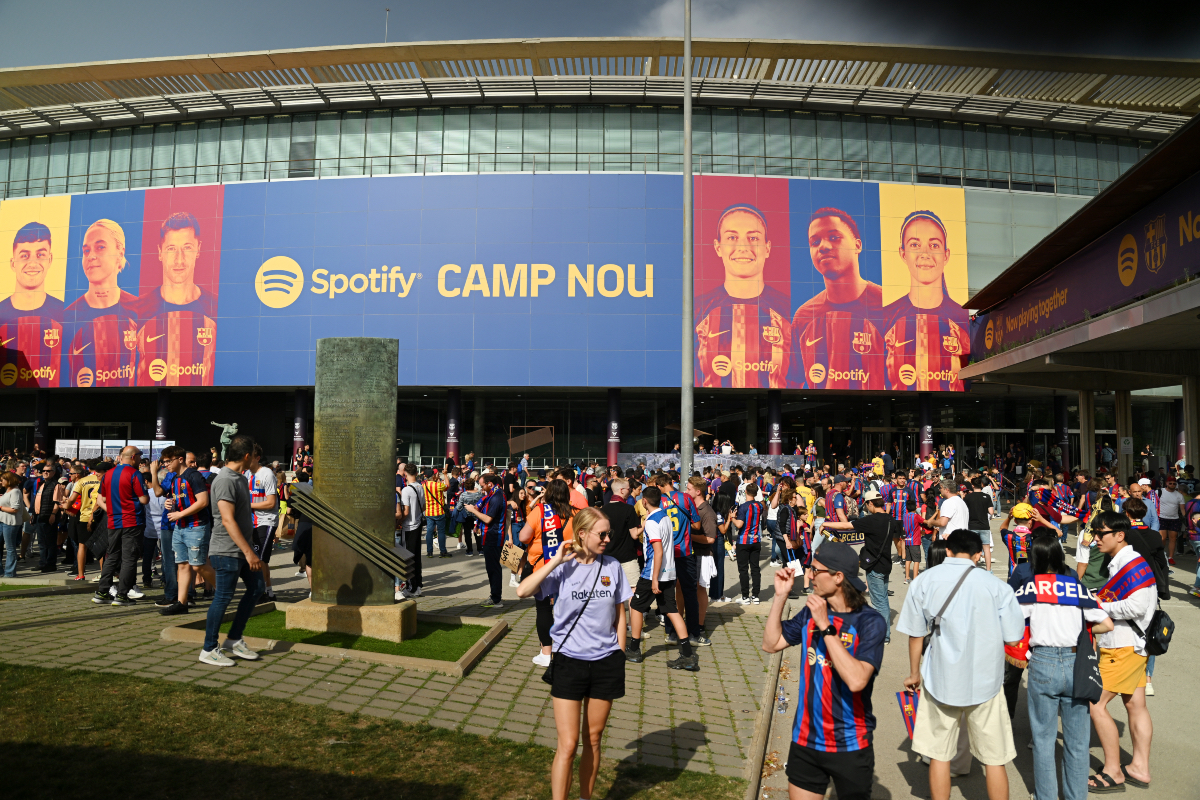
(533, 552)
(578, 499)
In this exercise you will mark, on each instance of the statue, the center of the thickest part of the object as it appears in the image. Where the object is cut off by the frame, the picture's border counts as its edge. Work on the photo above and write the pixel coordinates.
(228, 431)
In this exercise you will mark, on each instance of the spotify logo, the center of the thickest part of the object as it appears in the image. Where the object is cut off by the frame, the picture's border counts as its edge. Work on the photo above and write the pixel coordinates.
(722, 365)
(816, 373)
(84, 377)
(157, 369)
(908, 374)
(1127, 260)
(279, 282)
(988, 336)
(8, 374)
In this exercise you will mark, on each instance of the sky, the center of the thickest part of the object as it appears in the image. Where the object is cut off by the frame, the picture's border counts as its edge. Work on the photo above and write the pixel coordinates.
(71, 31)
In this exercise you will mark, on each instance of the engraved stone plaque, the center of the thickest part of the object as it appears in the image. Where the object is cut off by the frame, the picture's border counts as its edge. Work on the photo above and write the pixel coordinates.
(354, 463)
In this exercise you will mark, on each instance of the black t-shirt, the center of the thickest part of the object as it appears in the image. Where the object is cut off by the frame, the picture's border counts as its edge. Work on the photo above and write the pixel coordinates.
(621, 519)
(978, 504)
(595, 498)
(875, 532)
(512, 485)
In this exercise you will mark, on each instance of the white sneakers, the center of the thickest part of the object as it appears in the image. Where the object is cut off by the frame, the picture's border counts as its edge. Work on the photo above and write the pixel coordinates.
(216, 658)
(542, 660)
(135, 593)
(743, 601)
(399, 595)
(239, 648)
(512, 580)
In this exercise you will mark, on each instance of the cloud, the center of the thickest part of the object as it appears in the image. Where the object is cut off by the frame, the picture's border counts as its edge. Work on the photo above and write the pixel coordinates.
(778, 19)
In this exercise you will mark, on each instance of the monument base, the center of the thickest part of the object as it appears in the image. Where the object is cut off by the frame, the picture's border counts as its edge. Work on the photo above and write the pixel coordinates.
(392, 623)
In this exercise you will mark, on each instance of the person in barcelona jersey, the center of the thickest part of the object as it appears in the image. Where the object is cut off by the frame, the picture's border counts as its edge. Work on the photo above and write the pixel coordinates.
(177, 337)
(30, 318)
(743, 338)
(102, 329)
(835, 333)
(926, 335)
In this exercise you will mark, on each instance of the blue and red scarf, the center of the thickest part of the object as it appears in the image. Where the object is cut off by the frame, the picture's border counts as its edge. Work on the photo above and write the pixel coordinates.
(1134, 576)
(1062, 590)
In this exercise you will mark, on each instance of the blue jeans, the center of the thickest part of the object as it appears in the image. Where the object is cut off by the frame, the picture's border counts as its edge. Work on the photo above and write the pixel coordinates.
(777, 547)
(1051, 678)
(12, 546)
(877, 586)
(435, 524)
(170, 580)
(229, 569)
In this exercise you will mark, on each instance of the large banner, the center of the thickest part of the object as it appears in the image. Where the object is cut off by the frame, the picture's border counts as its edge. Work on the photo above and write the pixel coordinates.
(811, 284)
(488, 280)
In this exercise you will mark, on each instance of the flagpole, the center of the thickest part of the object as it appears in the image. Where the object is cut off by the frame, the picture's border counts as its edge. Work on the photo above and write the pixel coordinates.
(686, 408)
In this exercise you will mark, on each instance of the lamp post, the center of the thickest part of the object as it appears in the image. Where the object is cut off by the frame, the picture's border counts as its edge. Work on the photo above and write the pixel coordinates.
(686, 410)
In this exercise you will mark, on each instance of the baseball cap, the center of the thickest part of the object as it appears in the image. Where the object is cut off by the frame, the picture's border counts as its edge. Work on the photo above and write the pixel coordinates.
(840, 479)
(1144, 482)
(591, 471)
(841, 558)
(870, 495)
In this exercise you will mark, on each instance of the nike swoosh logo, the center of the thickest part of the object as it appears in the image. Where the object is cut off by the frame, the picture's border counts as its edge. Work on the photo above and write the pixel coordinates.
(6, 341)
(810, 343)
(901, 344)
(718, 333)
(155, 338)
(75, 352)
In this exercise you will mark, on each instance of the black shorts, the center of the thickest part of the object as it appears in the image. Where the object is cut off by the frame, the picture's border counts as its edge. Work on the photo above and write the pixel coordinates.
(575, 679)
(264, 539)
(1170, 524)
(644, 597)
(852, 773)
(913, 552)
(78, 531)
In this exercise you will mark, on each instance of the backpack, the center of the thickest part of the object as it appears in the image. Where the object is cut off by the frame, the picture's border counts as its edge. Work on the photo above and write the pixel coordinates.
(851, 508)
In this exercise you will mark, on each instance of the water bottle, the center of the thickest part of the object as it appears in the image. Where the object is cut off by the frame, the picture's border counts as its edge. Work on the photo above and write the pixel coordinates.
(782, 703)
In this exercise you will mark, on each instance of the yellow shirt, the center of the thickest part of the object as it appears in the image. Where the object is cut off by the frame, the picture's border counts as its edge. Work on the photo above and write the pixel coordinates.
(87, 487)
(877, 463)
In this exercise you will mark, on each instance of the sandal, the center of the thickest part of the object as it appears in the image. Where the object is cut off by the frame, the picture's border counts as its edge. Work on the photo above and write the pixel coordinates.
(1132, 781)
(1106, 784)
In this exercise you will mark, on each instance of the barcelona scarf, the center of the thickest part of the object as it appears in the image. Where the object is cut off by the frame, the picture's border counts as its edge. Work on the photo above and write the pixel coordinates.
(551, 532)
(908, 709)
(1062, 590)
(1133, 577)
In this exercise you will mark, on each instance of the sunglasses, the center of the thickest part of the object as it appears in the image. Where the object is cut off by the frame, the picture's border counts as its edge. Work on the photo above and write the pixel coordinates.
(605, 535)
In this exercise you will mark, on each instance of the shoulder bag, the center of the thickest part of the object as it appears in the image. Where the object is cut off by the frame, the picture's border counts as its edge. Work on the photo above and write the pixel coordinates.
(867, 561)
(1086, 680)
(935, 627)
(548, 675)
(1158, 637)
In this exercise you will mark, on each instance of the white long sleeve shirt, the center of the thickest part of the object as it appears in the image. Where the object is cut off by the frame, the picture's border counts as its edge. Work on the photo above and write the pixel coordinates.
(1138, 607)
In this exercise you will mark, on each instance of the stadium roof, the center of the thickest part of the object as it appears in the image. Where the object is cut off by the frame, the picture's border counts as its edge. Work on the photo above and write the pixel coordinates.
(1128, 96)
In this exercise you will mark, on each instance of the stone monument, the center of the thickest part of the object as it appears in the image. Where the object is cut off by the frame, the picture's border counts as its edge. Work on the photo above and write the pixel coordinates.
(228, 431)
(354, 469)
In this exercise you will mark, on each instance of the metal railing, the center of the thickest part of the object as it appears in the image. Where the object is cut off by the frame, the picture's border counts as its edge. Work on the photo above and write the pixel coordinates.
(482, 163)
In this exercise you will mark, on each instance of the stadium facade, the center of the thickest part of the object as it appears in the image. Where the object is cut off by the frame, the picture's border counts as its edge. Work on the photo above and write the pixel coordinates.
(185, 229)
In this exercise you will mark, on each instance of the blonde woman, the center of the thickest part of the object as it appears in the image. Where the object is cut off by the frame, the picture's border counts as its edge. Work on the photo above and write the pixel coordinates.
(587, 672)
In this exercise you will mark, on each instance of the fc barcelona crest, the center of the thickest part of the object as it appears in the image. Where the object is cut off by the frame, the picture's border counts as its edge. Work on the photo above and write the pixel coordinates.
(605, 580)
(204, 336)
(862, 342)
(1156, 243)
(951, 345)
(772, 334)
(51, 337)
(130, 337)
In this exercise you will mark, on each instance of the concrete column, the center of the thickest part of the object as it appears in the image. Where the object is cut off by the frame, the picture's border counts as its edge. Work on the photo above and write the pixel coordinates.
(1061, 427)
(1191, 419)
(774, 422)
(925, 423)
(453, 423)
(41, 421)
(1087, 431)
(614, 425)
(1179, 429)
(163, 419)
(1123, 405)
(751, 424)
(477, 426)
(299, 422)
(886, 411)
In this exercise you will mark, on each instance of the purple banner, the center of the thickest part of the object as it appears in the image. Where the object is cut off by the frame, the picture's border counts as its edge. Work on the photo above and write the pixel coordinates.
(1151, 250)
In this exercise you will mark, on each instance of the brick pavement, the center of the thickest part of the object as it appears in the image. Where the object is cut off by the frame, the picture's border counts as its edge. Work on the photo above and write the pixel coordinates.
(698, 721)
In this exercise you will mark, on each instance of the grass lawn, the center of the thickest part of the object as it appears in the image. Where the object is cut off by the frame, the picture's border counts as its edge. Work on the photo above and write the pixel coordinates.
(74, 732)
(436, 640)
(16, 587)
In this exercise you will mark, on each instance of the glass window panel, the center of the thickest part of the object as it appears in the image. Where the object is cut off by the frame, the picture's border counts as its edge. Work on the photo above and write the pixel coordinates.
(1127, 153)
(854, 145)
(5, 147)
(778, 139)
(617, 136)
(404, 140)
(590, 137)
(483, 138)
(1043, 160)
(951, 152)
(724, 139)
(702, 145)
(429, 140)
(999, 163)
(208, 148)
(670, 138)
(141, 153)
(751, 141)
(804, 143)
(879, 149)
(829, 145)
(536, 142)
(644, 127)
(60, 152)
(279, 146)
(163, 157)
(1144, 147)
(974, 139)
(231, 150)
(929, 159)
(1108, 165)
(98, 160)
(18, 169)
(379, 134)
(904, 149)
(118, 165)
(562, 129)
(353, 144)
(328, 141)
(1085, 163)
(185, 153)
(254, 149)
(508, 138)
(1022, 157)
(1065, 167)
(77, 169)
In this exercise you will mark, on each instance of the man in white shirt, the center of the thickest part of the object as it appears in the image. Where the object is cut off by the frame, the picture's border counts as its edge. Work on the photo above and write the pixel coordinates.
(1170, 516)
(953, 514)
(264, 503)
(412, 509)
(1129, 598)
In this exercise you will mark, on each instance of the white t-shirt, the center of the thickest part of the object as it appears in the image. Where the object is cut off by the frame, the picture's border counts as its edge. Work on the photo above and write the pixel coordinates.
(261, 484)
(658, 528)
(412, 497)
(1170, 504)
(955, 510)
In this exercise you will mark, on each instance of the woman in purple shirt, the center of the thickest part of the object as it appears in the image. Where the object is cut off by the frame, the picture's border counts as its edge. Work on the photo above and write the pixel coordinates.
(588, 635)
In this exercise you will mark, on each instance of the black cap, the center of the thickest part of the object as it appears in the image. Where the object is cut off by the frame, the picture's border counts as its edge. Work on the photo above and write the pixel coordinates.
(841, 558)
(840, 479)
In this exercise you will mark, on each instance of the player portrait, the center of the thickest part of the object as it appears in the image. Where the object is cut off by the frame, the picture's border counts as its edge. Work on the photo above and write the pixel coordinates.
(835, 333)
(101, 324)
(743, 333)
(926, 328)
(30, 317)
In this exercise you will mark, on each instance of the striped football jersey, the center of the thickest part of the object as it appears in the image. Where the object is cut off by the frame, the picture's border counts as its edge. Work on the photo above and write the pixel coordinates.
(743, 343)
(177, 344)
(925, 351)
(31, 342)
(841, 351)
(101, 343)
